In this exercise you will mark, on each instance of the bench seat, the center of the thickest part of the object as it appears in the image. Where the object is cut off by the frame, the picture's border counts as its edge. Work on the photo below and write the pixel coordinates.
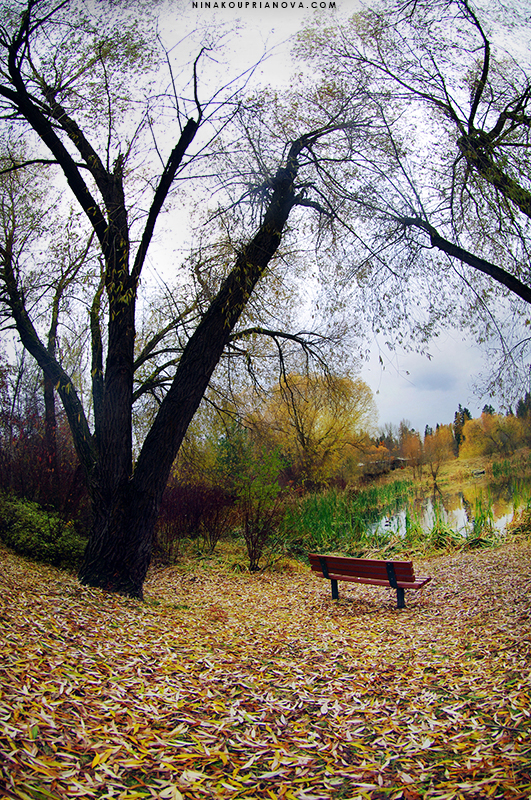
(398, 575)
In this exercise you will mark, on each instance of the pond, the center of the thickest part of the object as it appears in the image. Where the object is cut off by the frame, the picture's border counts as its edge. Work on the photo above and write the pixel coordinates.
(478, 498)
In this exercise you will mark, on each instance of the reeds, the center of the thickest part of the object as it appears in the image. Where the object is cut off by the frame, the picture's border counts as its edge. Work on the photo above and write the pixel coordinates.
(442, 536)
(482, 531)
(360, 524)
(343, 521)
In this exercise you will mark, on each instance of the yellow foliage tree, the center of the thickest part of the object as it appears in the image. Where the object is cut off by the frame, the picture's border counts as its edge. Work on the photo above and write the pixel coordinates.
(491, 434)
(438, 447)
(377, 459)
(318, 423)
(411, 449)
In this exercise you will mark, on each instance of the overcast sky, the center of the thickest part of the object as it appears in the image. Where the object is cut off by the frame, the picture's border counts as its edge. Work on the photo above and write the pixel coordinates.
(409, 386)
(426, 391)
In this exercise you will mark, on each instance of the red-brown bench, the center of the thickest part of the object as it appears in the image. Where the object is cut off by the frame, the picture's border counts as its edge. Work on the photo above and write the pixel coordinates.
(398, 575)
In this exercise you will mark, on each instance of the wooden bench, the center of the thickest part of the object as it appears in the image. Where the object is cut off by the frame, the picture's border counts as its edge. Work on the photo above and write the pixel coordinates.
(398, 575)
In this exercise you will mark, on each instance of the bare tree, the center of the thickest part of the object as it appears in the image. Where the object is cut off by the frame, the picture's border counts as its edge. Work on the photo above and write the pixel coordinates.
(67, 80)
(444, 187)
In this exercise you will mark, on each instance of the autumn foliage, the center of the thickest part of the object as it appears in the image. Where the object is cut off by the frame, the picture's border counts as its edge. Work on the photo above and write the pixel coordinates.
(492, 434)
(225, 685)
(318, 423)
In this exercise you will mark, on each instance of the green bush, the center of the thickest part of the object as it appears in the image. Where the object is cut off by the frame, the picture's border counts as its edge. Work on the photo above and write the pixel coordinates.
(42, 536)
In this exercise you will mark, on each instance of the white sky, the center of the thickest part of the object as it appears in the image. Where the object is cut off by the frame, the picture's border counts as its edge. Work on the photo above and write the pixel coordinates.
(426, 391)
(260, 29)
(409, 386)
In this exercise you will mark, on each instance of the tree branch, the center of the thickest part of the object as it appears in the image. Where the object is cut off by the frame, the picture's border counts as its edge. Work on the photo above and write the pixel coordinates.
(478, 93)
(45, 161)
(161, 192)
(149, 348)
(41, 125)
(82, 436)
(500, 275)
(259, 331)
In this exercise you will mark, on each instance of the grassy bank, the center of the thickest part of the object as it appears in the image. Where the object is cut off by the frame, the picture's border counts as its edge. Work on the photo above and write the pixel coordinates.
(227, 685)
(462, 472)
(339, 520)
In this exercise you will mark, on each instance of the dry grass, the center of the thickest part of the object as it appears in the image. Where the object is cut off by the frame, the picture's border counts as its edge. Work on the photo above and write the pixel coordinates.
(226, 685)
(462, 474)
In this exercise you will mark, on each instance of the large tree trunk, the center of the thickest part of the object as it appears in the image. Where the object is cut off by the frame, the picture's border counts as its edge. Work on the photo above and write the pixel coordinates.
(125, 512)
(119, 549)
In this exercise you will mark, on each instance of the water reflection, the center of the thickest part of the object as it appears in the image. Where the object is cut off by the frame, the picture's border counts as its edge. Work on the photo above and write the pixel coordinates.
(499, 501)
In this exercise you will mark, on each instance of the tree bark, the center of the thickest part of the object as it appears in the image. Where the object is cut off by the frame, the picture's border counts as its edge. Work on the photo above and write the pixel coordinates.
(476, 150)
(119, 551)
(50, 439)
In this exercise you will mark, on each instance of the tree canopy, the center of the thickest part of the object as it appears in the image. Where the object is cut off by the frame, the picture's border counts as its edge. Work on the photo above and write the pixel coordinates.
(443, 188)
(84, 93)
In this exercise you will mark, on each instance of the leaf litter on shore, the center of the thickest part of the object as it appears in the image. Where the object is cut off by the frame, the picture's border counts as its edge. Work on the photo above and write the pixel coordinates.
(225, 685)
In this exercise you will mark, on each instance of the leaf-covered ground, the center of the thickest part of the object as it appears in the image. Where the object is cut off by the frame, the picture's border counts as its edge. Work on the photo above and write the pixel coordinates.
(229, 685)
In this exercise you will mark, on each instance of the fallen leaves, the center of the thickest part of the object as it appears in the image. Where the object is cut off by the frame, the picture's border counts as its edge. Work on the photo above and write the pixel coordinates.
(259, 686)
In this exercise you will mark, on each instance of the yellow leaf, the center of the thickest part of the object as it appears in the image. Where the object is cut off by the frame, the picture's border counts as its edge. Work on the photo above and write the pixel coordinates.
(170, 793)
(106, 755)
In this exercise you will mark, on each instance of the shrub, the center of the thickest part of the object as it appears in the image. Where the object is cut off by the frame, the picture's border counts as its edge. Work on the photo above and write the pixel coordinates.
(220, 516)
(258, 499)
(38, 534)
(260, 521)
(190, 510)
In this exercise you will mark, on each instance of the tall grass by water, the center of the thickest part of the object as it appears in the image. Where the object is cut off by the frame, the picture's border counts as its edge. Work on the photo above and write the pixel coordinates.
(340, 520)
(507, 469)
(360, 523)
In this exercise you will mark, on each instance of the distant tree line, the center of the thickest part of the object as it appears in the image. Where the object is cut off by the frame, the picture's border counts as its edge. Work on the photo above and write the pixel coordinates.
(489, 435)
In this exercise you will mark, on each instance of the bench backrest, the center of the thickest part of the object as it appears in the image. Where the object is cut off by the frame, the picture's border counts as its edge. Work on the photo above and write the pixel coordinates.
(362, 567)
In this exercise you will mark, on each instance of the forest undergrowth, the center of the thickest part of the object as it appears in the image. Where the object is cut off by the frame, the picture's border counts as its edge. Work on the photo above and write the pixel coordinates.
(227, 685)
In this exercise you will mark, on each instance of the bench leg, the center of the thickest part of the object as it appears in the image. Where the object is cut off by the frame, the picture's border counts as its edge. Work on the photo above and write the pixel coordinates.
(400, 602)
(335, 592)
